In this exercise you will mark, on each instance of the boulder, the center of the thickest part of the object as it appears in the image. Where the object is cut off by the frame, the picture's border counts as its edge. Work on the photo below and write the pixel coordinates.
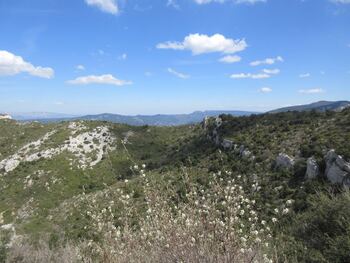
(227, 144)
(246, 154)
(216, 137)
(284, 161)
(313, 169)
(241, 150)
(218, 122)
(206, 123)
(337, 169)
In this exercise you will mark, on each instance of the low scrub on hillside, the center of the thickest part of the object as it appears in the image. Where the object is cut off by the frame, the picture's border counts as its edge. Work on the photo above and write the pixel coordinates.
(193, 200)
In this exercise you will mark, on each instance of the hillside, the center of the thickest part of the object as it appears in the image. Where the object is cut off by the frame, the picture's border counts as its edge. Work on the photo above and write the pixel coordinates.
(317, 106)
(233, 187)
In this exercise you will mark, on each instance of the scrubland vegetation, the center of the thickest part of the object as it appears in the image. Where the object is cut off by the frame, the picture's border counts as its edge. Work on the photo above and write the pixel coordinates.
(172, 195)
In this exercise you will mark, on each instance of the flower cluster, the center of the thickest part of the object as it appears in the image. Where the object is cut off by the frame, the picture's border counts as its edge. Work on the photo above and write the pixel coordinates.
(218, 220)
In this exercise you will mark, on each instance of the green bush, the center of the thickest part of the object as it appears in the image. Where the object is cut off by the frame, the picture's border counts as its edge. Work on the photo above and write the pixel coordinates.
(322, 231)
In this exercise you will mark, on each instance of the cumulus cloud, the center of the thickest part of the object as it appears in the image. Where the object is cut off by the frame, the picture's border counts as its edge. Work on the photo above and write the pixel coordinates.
(80, 67)
(107, 6)
(304, 75)
(340, 1)
(230, 59)
(201, 2)
(267, 61)
(107, 79)
(265, 90)
(311, 91)
(201, 43)
(178, 74)
(11, 64)
(272, 71)
(250, 76)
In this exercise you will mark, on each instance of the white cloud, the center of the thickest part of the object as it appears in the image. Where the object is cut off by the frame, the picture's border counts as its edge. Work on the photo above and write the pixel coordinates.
(304, 75)
(267, 61)
(107, 6)
(249, 1)
(230, 59)
(250, 76)
(201, 2)
(107, 79)
(265, 90)
(340, 1)
(200, 44)
(311, 91)
(173, 4)
(11, 64)
(59, 103)
(272, 71)
(123, 56)
(178, 74)
(264, 74)
(80, 67)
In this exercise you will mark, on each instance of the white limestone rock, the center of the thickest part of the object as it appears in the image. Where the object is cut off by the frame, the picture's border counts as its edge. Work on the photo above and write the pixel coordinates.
(337, 169)
(227, 144)
(284, 161)
(313, 169)
(88, 148)
(5, 117)
(218, 122)
(246, 154)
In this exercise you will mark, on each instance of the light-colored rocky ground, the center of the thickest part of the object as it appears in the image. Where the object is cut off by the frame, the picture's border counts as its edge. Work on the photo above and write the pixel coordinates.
(88, 148)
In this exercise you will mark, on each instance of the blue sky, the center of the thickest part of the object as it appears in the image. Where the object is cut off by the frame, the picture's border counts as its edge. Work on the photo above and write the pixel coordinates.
(163, 56)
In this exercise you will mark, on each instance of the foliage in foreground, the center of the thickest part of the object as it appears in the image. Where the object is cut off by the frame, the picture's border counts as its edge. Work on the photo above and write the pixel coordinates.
(215, 224)
(321, 233)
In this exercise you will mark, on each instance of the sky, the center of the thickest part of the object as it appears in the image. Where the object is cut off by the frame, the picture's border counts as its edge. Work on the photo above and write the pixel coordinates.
(171, 56)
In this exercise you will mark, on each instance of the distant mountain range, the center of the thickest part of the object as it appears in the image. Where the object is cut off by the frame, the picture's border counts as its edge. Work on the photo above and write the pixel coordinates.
(154, 120)
(318, 106)
(25, 116)
(171, 119)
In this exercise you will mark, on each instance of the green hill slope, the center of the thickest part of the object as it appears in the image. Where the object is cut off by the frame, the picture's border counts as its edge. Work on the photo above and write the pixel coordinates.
(84, 184)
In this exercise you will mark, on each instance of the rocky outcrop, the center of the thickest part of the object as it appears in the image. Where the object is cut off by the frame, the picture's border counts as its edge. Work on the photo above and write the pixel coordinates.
(212, 132)
(337, 169)
(88, 148)
(312, 170)
(218, 122)
(244, 152)
(284, 161)
(211, 126)
(5, 117)
(227, 144)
